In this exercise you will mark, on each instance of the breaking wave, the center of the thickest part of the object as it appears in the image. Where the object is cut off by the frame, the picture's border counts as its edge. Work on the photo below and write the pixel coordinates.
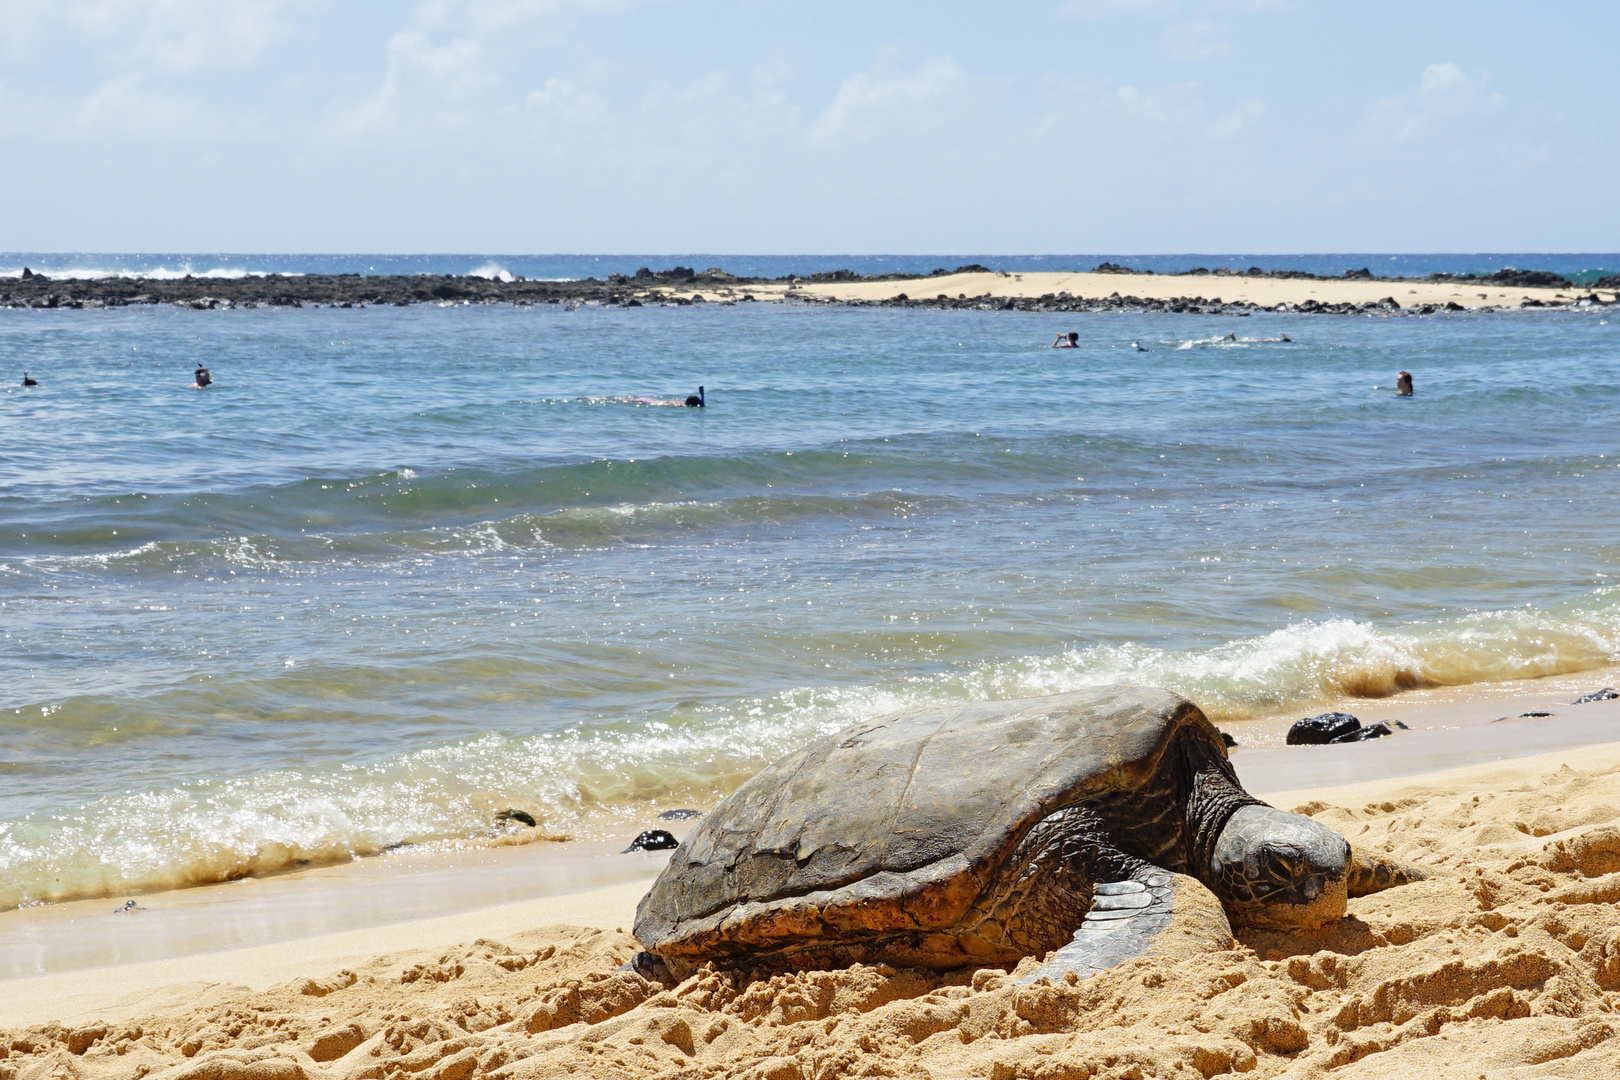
(694, 753)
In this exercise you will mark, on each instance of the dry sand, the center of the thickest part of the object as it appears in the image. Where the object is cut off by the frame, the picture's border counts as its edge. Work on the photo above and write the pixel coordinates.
(1267, 292)
(1506, 963)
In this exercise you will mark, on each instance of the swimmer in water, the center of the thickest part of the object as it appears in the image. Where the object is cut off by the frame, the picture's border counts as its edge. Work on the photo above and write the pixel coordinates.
(1229, 337)
(29, 380)
(696, 400)
(1139, 348)
(1403, 384)
(204, 377)
(1071, 340)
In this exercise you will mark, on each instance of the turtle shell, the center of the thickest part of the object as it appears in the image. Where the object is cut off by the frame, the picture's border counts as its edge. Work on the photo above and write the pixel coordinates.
(898, 824)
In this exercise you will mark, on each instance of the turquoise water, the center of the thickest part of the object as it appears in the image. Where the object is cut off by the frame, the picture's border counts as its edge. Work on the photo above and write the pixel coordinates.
(400, 568)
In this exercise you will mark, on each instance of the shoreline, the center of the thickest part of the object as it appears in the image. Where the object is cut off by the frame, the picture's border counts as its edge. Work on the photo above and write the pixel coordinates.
(574, 849)
(1107, 288)
(1476, 725)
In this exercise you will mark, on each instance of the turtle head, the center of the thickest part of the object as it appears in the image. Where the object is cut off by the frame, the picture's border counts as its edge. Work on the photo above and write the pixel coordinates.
(1279, 871)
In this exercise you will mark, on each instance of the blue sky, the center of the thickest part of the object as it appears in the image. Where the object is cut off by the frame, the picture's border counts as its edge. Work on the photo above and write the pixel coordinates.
(773, 126)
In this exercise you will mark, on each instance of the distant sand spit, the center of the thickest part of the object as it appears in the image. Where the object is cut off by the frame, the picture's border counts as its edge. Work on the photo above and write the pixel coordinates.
(1236, 289)
(1505, 963)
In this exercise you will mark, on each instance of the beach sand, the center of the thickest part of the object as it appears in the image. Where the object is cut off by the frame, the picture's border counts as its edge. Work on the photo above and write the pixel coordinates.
(1266, 292)
(1505, 963)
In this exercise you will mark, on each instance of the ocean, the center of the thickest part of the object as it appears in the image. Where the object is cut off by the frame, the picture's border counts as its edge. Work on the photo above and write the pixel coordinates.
(402, 568)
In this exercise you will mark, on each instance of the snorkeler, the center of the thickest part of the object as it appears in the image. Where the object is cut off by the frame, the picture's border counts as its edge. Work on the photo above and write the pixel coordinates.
(29, 380)
(1139, 348)
(696, 400)
(204, 377)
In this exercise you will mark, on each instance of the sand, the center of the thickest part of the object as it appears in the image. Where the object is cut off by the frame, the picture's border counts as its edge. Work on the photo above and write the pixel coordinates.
(1505, 963)
(1267, 292)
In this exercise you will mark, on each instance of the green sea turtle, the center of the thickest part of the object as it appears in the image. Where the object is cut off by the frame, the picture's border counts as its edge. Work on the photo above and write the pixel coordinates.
(1096, 826)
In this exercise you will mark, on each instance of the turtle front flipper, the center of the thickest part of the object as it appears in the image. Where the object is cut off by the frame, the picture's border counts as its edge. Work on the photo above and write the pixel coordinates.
(1152, 913)
(1369, 873)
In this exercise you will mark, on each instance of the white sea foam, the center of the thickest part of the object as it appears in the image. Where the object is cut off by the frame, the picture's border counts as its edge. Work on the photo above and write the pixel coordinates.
(157, 273)
(494, 271)
(257, 824)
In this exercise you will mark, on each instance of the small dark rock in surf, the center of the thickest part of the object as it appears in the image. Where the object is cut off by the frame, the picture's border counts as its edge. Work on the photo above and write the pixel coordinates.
(652, 840)
(1228, 740)
(523, 817)
(1606, 694)
(679, 815)
(1537, 713)
(1319, 730)
(129, 905)
(1371, 731)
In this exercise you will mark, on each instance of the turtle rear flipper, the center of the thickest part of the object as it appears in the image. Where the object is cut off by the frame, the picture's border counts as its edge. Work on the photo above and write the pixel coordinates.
(1152, 913)
(1369, 873)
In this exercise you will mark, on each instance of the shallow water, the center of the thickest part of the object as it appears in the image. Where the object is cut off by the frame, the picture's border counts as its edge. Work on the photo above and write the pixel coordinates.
(401, 568)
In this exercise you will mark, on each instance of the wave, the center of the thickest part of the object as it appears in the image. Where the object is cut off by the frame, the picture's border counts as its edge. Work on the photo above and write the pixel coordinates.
(622, 524)
(494, 271)
(158, 273)
(694, 753)
(344, 508)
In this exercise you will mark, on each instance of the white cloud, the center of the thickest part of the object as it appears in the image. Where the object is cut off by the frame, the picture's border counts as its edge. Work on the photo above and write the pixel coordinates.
(1201, 39)
(1165, 9)
(1238, 120)
(1104, 9)
(1445, 97)
(891, 101)
(179, 36)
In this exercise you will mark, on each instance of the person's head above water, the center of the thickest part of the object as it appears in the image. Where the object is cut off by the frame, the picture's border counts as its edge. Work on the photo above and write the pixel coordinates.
(204, 377)
(28, 380)
(1074, 338)
(1403, 384)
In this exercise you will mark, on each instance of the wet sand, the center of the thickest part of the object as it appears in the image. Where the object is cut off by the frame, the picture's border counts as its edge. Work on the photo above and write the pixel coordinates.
(1507, 961)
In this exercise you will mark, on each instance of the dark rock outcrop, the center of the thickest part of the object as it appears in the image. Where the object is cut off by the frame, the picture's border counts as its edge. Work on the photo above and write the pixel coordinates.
(652, 840)
(1323, 729)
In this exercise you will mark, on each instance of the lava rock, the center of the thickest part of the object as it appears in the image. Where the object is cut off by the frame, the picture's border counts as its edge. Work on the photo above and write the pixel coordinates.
(652, 840)
(679, 815)
(1362, 734)
(1323, 729)
(1228, 740)
(521, 816)
(1606, 694)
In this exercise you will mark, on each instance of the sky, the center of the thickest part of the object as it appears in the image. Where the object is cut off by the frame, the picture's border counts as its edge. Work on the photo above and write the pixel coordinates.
(775, 126)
